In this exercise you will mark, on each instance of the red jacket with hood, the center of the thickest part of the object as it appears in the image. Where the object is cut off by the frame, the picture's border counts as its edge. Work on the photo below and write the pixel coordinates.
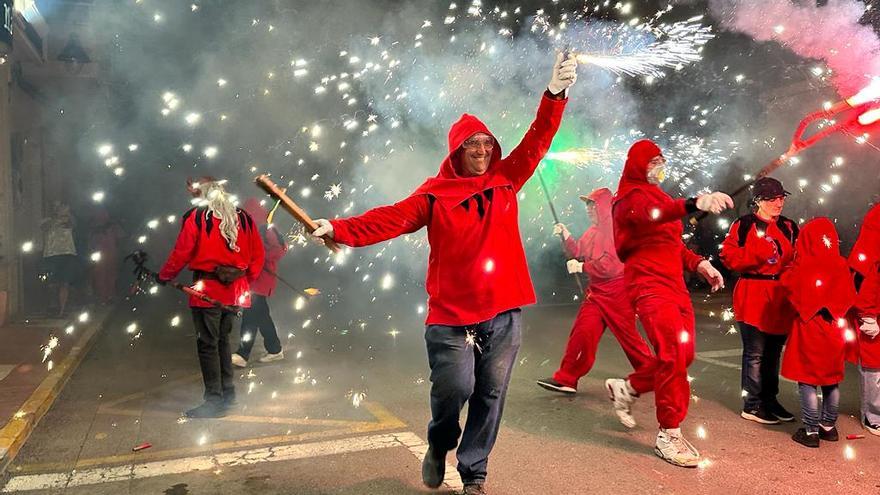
(596, 247)
(201, 247)
(273, 245)
(477, 265)
(648, 229)
(864, 261)
(820, 289)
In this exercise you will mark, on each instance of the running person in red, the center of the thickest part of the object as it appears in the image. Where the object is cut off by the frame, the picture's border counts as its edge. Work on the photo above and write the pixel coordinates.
(647, 234)
(605, 304)
(222, 247)
(760, 246)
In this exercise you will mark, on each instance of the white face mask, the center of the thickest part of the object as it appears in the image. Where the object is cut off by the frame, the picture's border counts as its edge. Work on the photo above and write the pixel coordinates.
(657, 174)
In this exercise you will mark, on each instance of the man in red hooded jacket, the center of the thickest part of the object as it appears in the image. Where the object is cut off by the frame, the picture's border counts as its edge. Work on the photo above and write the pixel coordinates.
(477, 276)
(605, 304)
(647, 235)
(864, 261)
(257, 318)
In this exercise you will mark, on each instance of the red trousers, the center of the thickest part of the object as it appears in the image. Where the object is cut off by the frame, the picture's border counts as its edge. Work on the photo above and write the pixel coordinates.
(589, 325)
(668, 319)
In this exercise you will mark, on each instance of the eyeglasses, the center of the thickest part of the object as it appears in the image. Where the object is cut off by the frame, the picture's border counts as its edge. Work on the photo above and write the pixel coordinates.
(474, 143)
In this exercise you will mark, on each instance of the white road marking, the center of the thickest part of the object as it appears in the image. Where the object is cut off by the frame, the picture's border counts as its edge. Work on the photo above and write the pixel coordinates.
(93, 476)
(5, 369)
(735, 352)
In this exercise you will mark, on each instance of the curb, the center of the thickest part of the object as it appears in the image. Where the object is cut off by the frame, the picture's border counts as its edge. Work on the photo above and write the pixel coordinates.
(16, 432)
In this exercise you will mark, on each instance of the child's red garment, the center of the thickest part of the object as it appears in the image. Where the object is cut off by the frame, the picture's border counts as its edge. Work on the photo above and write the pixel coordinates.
(864, 260)
(820, 288)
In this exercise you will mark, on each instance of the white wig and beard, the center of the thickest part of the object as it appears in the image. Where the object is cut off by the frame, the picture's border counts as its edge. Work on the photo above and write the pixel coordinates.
(220, 205)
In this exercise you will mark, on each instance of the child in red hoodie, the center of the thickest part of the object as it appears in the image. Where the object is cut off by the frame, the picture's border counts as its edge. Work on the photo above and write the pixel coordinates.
(820, 289)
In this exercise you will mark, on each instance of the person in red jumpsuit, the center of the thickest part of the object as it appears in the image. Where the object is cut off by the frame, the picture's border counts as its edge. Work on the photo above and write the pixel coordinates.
(258, 318)
(605, 303)
(477, 276)
(864, 261)
(819, 287)
(647, 236)
(760, 246)
(221, 245)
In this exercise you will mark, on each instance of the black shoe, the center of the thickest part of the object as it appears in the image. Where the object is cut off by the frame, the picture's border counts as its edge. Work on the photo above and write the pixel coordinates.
(554, 386)
(872, 428)
(759, 416)
(807, 440)
(828, 435)
(206, 410)
(474, 489)
(779, 412)
(433, 468)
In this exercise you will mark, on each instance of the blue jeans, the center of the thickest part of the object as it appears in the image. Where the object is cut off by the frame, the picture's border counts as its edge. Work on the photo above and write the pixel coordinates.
(760, 366)
(474, 373)
(810, 405)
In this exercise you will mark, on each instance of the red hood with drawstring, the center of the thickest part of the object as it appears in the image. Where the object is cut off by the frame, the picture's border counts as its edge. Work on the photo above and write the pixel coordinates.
(273, 244)
(477, 265)
(647, 227)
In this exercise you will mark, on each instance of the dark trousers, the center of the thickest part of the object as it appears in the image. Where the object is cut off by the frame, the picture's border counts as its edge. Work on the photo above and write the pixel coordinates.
(213, 327)
(257, 318)
(760, 366)
(473, 371)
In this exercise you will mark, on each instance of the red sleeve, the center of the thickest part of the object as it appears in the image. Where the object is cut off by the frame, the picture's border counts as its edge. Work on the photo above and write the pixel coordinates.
(571, 247)
(604, 266)
(868, 297)
(275, 249)
(638, 209)
(522, 161)
(690, 259)
(258, 255)
(751, 255)
(383, 223)
(184, 247)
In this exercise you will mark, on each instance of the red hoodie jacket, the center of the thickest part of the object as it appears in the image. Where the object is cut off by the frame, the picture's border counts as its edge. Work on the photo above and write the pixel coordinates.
(273, 245)
(596, 247)
(864, 261)
(201, 247)
(647, 227)
(477, 265)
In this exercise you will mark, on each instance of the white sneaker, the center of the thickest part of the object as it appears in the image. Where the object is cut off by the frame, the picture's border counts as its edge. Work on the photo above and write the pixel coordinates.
(674, 449)
(268, 358)
(239, 361)
(622, 396)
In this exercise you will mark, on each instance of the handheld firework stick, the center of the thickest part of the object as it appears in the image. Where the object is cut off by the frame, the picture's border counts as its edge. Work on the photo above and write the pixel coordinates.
(142, 274)
(311, 291)
(556, 220)
(266, 184)
(861, 111)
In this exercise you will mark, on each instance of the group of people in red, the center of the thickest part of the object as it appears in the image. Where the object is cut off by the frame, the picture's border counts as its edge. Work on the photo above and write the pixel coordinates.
(478, 279)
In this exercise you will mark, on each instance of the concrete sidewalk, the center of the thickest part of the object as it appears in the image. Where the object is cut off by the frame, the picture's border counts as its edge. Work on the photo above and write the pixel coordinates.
(36, 359)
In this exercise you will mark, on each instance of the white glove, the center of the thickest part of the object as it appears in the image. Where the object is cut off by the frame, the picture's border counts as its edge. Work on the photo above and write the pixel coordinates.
(574, 266)
(715, 202)
(869, 326)
(325, 228)
(711, 275)
(560, 228)
(564, 74)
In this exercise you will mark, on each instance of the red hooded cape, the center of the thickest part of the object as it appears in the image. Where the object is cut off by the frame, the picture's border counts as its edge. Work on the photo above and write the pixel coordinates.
(647, 227)
(864, 260)
(477, 266)
(273, 244)
(820, 289)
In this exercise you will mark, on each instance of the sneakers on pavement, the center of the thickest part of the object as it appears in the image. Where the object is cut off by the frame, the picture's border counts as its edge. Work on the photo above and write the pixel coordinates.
(872, 428)
(776, 410)
(238, 361)
(554, 386)
(622, 395)
(433, 468)
(806, 439)
(474, 489)
(759, 416)
(206, 410)
(674, 449)
(829, 434)
(268, 358)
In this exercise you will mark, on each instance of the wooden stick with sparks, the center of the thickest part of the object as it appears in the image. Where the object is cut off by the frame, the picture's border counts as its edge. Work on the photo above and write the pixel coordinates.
(272, 189)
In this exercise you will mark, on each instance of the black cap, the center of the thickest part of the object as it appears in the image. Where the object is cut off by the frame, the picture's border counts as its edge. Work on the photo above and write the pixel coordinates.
(768, 188)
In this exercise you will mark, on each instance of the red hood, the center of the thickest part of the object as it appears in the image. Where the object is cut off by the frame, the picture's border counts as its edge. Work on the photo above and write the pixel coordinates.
(602, 198)
(865, 255)
(635, 171)
(449, 186)
(256, 211)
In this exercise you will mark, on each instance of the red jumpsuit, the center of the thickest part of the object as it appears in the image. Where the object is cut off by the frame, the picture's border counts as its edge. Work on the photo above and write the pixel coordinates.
(864, 260)
(605, 304)
(647, 235)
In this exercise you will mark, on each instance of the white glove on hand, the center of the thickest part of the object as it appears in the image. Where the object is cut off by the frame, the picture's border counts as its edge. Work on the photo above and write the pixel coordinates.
(869, 326)
(325, 228)
(560, 228)
(715, 202)
(564, 74)
(574, 266)
(711, 275)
